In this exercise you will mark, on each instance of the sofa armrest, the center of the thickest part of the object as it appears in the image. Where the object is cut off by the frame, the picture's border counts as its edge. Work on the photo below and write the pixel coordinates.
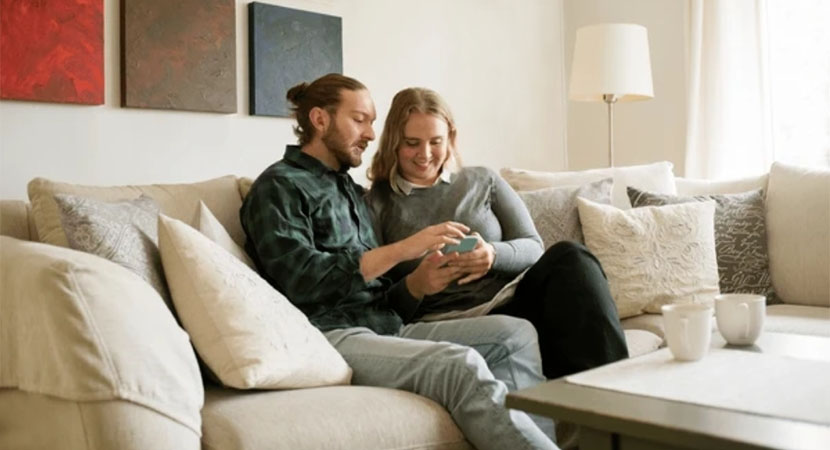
(79, 327)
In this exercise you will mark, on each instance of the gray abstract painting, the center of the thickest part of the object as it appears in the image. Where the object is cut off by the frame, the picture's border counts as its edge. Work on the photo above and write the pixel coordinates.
(289, 46)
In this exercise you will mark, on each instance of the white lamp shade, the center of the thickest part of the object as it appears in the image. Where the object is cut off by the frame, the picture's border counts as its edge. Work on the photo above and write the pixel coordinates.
(614, 59)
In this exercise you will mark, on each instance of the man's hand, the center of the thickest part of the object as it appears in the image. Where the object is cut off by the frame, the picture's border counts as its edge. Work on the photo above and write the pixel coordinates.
(476, 263)
(433, 275)
(431, 238)
(378, 261)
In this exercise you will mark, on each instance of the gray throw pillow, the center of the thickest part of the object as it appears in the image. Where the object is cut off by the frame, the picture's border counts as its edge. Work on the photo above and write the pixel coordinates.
(124, 232)
(740, 238)
(554, 210)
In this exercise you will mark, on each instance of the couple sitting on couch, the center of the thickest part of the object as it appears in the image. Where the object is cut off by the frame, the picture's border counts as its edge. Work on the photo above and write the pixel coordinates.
(314, 235)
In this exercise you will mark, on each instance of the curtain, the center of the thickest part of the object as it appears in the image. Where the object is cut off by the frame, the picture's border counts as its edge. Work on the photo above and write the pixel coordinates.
(729, 132)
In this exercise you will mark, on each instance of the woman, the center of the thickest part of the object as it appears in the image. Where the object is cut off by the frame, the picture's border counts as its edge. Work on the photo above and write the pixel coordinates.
(564, 292)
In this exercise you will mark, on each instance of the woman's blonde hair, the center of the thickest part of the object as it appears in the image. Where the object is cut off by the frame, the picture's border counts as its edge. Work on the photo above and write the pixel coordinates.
(385, 162)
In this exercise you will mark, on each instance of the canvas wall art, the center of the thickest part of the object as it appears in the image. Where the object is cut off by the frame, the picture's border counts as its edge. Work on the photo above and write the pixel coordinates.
(179, 54)
(288, 46)
(52, 51)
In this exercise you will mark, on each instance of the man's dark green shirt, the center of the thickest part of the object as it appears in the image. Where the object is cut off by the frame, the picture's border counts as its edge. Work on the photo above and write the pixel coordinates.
(307, 228)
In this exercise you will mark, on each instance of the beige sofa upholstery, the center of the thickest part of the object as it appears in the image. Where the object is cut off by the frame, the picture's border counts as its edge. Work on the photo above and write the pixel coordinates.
(348, 417)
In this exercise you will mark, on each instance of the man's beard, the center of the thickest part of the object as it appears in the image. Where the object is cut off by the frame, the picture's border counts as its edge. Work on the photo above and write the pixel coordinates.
(336, 143)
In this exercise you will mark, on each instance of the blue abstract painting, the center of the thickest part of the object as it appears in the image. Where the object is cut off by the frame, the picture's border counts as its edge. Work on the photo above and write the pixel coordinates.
(289, 46)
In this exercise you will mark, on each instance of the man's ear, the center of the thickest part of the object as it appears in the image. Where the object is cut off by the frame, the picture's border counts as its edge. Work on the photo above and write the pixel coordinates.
(319, 119)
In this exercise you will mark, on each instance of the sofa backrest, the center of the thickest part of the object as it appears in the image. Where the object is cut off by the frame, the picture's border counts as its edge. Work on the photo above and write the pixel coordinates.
(180, 201)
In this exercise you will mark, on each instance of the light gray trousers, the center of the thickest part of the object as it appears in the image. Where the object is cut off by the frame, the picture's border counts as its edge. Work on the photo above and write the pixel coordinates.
(466, 365)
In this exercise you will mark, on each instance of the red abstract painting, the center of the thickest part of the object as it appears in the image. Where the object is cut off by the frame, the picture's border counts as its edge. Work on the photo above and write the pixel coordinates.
(52, 50)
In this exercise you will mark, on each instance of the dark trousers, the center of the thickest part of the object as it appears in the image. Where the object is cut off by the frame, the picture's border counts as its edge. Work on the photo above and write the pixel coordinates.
(566, 297)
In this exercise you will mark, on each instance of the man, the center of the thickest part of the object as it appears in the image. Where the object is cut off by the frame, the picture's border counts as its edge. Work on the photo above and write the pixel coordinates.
(311, 236)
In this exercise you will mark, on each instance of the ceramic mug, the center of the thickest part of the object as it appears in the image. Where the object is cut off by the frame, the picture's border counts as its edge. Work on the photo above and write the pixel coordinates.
(688, 329)
(740, 317)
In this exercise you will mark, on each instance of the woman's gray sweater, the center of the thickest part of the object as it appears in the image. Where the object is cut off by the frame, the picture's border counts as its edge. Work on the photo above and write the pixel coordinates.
(476, 197)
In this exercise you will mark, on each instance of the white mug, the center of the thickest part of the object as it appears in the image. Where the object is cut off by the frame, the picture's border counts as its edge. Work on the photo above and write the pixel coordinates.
(740, 317)
(688, 328)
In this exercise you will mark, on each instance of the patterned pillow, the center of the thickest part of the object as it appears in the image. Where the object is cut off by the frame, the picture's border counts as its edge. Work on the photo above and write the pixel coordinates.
(740, 238)
(653, 256)
(554, 211)
(124, 232)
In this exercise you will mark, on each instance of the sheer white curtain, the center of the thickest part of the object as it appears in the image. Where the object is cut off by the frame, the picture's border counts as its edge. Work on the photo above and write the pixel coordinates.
(729, 132)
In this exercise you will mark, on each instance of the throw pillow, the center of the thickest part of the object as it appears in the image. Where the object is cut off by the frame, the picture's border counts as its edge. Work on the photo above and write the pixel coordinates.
(213, 229)
(654, 255)
(740, 237)
(180, 201)
(248, 333)
(656, 177)
(79, 327)
(124, 232)
(554, 210)
(798, 225)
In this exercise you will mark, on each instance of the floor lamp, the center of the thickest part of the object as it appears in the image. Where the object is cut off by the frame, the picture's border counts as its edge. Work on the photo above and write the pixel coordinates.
(611, 64)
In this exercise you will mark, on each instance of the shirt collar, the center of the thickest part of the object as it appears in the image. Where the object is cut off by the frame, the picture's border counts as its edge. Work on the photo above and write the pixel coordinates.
(294, 154)
(406, 187)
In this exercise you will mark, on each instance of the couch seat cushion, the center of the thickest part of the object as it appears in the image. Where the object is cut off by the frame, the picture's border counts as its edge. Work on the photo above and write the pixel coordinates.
(336, 417)
(797, 319)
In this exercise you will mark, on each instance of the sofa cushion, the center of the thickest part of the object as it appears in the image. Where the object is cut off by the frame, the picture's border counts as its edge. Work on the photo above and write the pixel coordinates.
(656, 177)
(740, 237)
(180, 201)
(79, 327)
(797, 319)
(798, 228)
(692, 186)
(124, 232)
(248, 333)
(654, 255)
(554, 211)
(640, 342)
(332, 418)
(210, 226)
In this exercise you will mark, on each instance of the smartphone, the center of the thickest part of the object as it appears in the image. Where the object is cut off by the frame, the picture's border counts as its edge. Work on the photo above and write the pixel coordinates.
(467, 244)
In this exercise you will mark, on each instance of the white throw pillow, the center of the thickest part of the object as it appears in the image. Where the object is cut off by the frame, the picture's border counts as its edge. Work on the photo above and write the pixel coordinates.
(798, 233)
(210, 226)
(248, 333)
(656, 177)
(654, 255)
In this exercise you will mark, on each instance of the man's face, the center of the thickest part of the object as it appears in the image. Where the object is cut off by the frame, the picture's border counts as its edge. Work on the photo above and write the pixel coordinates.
(350, 128)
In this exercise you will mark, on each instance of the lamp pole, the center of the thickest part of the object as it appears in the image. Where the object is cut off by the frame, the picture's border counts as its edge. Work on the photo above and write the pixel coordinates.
(609, 100)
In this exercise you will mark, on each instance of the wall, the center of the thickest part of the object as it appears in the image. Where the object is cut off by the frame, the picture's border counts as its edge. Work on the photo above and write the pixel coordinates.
(645, 131)
(498, 65)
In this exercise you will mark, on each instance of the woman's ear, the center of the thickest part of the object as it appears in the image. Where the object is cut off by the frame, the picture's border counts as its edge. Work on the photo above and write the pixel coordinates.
(319, 118)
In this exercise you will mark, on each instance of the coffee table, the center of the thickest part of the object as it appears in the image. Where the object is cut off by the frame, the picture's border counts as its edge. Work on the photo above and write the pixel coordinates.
(611, 419)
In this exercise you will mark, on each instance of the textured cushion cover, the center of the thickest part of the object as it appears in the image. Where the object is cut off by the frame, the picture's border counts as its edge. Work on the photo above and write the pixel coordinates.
(654, 255)
(79, 327)
(36, 422)
(249, 334)
(332, 418)
(124, 232)
(180, 201)
(554, 211)
(798, 229)
(740, 237)
(656, 177)
(213, 229)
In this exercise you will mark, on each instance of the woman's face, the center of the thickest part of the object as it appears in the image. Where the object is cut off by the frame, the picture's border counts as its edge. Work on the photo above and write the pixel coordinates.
(424, 148)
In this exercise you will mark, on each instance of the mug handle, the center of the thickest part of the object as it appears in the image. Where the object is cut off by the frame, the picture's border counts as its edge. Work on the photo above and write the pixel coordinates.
(745, 310)
(684, 330)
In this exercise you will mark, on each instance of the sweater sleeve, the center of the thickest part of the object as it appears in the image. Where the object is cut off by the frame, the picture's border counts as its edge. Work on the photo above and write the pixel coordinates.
(521, 245)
